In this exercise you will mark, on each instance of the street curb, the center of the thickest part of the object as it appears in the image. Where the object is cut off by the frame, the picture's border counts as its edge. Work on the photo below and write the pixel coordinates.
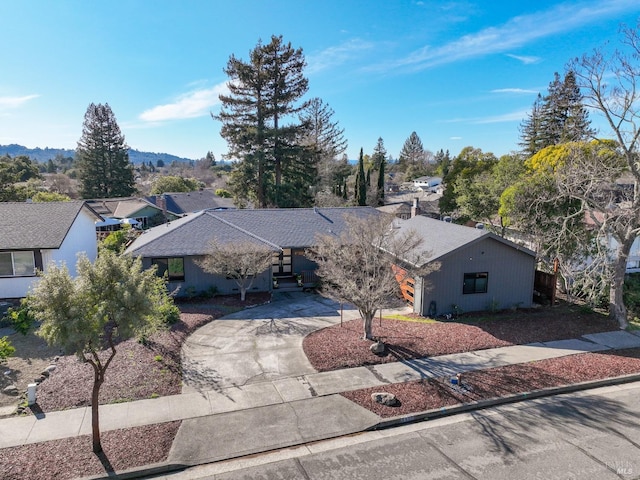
(514, 398)
(163, 467)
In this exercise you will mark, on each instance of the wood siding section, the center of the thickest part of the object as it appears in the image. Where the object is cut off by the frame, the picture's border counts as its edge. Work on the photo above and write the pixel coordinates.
(407, 284)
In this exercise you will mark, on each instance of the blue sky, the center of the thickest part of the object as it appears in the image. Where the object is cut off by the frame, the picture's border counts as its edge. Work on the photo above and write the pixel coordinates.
(458, 73)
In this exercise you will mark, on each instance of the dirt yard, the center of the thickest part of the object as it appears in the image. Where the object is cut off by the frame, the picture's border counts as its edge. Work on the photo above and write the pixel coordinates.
(32, 357)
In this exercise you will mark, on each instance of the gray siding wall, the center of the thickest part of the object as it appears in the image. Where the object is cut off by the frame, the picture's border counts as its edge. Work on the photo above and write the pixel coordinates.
(196, 280)
(510, 279)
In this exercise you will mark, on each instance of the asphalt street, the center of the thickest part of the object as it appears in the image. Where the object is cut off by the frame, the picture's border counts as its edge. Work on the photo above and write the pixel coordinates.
(592, 434)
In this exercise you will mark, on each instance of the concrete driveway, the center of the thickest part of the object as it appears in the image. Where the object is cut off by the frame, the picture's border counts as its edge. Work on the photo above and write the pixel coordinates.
(258, 344)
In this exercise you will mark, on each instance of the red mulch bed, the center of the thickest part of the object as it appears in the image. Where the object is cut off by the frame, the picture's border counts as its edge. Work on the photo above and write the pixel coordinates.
(339, 347)
(73, 457)
(433, 393)
(138, 371)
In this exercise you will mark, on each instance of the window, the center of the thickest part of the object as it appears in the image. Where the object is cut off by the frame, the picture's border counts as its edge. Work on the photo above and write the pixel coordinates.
(475, 283)
(17, 264)
(172, 267)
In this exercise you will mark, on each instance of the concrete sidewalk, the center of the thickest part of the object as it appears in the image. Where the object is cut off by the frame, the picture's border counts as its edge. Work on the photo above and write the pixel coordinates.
(273, 414)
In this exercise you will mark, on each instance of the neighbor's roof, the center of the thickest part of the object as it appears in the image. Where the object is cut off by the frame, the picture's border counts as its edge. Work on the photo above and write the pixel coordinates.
(38, 225)
(276, 228)
(123, 207)
(443, 238)
(189, 202)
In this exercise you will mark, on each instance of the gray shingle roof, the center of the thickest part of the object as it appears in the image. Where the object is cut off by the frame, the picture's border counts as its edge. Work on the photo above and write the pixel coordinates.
(443, 238)
(37, 225)
(294, 227)
(189, 202)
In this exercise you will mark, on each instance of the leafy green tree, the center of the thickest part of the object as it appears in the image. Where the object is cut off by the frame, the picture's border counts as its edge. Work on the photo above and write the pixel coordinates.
(111, 300)
(271, 167)
(174, 184)
(465, 168)
(14, 171)
(43, 196)
(567, 201)
(103, 156)
(478, 196)
(380, 187)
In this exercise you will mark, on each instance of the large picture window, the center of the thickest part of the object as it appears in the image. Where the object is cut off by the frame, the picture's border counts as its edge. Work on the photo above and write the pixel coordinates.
(475, 282)
(17, 264)
(173, 267)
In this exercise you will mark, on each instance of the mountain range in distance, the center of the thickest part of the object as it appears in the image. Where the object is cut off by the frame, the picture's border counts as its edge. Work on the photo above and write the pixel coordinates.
(42, 155)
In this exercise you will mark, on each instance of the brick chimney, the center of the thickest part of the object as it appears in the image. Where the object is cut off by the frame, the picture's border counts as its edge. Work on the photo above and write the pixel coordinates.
(415, 208)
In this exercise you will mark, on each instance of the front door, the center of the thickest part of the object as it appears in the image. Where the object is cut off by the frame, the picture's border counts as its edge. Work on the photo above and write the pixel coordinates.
(281, 264)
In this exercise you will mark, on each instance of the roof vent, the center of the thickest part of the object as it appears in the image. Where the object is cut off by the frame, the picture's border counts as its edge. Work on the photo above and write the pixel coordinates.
(446, 219)
(480, 226)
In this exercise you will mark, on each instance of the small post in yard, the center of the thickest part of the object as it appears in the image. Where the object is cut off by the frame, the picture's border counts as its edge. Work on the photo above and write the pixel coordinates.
(380, 318)
(341, 314)
(556, 264)
(31, 393)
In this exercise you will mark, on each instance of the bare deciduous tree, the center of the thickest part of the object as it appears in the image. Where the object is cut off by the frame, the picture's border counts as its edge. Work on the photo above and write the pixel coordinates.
(241, 261)
(356, 267)
(611, 86)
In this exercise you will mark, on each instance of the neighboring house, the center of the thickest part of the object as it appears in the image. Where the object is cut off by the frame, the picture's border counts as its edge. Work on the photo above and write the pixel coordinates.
(177, 247)
(180, 204)
(472, 269)
(427, 184)
(33, 235)
(408, 209)
(145, 213)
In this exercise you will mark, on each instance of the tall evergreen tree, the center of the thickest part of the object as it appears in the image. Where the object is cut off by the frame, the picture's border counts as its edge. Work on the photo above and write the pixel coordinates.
(559, 117)
(361, 182)
(379, 154)
(263, 95)
(412, 153)
(326, 140)
(102, 156)
(381, 174)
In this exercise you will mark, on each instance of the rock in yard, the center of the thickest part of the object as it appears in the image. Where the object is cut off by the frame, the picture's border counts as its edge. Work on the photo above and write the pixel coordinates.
(50, 368)
(377, 348)
(383, 398)
(10, 390)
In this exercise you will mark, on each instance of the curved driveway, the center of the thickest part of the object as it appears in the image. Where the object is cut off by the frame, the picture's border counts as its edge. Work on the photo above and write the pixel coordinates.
(259, 344)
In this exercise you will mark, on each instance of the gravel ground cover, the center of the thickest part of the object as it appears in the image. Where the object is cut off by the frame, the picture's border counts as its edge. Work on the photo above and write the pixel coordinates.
(428, 394)
(142, 371)
(342, 346)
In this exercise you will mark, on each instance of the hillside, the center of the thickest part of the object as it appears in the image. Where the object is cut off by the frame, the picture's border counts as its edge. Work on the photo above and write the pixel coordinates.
(41, 155)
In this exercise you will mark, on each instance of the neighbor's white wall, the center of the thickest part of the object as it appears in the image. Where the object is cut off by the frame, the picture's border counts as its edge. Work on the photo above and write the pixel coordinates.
(80, 239)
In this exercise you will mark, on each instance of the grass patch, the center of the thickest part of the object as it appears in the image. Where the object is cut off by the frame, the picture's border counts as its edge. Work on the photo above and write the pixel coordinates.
(407, 318)
(634, 324)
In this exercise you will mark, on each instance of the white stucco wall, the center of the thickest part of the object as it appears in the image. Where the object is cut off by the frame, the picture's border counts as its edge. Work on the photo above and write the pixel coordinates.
(80, 238)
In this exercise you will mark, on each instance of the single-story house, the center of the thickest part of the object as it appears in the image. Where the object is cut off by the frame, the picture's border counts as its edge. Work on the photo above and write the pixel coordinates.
(469, 269)
(32, 235)
(178, 246)
(183, 203)
(427, 183)
(477, 270)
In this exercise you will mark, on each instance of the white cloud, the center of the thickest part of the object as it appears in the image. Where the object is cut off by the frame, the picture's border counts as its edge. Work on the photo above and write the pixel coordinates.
(515, 33)
(455, 138)
(527, 60)
(196, 103)
(506, 117)
(514, 90)
(334, 56)
(14, 102)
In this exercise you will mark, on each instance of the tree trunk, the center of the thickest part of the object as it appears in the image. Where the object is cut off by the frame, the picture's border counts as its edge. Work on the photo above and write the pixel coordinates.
(98, 380)
(243, 294)
(367, 318)
(617, 308)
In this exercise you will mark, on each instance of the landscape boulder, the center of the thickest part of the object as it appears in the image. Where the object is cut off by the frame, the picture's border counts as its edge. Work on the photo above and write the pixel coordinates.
(384, 398)
(377, 348)
(10, 390)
